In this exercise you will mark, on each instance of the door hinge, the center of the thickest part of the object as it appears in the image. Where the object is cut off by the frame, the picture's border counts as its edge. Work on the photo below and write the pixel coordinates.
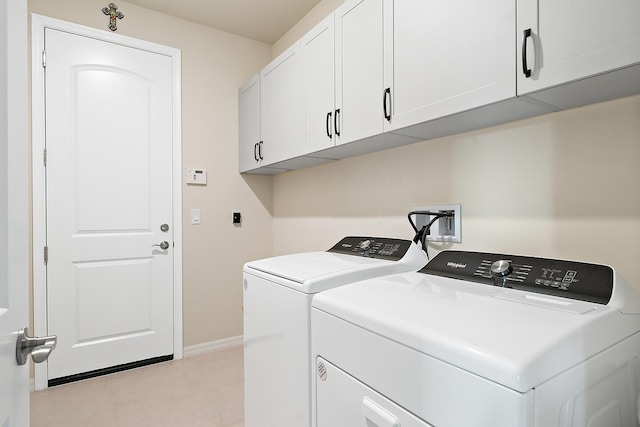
(46, 254)
(44, 59)
(45, 157)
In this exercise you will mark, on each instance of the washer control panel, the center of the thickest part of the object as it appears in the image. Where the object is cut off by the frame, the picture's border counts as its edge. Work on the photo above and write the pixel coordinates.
(373, 247)
(569, 279)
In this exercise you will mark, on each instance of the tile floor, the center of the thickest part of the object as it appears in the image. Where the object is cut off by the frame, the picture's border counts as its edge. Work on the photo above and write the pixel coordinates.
(205, 390)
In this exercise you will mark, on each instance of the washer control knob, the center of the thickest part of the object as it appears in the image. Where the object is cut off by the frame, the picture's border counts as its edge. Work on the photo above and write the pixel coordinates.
(365, 244)
(500, 270)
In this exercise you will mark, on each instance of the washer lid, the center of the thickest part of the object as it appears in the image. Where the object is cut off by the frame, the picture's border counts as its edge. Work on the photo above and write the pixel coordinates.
(303, 267)
(515, 338)
(318, 271)
(313, 272)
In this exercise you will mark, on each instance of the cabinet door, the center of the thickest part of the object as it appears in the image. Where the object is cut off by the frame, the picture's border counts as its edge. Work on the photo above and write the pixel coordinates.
(359, 68)
(282, 109)
(318, 69)
(570, 40)
(445, 57)
(249, 124)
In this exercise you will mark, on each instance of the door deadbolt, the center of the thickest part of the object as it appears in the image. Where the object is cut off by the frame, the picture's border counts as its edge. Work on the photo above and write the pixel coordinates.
(164, 227)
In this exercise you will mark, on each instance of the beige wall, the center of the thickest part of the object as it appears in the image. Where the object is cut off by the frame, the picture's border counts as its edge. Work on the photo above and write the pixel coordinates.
(563, 185)
(214, 65)
(317, 14)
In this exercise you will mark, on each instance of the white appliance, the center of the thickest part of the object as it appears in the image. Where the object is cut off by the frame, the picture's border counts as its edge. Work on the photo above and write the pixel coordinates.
(277, 310)
(479, 339)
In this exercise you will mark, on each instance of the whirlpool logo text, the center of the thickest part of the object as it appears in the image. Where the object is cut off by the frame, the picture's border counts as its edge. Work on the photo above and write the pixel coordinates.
(456, 265)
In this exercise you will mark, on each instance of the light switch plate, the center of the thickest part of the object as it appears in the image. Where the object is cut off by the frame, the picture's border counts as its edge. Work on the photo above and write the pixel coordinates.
(195, 217)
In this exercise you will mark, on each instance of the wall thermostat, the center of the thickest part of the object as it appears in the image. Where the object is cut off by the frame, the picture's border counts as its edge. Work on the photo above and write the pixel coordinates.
(197, 176)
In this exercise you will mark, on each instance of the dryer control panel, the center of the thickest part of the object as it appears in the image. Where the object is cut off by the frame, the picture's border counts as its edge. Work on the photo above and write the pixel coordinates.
(373, 247)
(568, 279)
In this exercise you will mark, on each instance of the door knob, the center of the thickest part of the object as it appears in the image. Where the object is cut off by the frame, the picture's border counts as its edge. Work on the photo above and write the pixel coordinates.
(162, 245)
(38, 348)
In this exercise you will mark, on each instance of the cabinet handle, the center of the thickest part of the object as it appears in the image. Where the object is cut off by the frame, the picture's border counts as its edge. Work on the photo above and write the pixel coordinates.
(255, 151)
(525, 69)
(336, 122)
(387, 113)
(260, 150)
(328, 124)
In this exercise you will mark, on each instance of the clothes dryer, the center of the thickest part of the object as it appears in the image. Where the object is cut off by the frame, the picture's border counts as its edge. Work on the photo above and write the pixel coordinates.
(479, 339)
(277, 302)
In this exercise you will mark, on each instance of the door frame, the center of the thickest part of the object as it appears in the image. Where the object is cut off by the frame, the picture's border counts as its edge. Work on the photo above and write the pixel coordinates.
(38, 25)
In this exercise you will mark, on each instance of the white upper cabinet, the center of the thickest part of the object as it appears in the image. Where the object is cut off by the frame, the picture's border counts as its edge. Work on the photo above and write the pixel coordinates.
(249, 124)
(381, 73)
(283, 107)
(319, 74)
(445, 57)
(249, 141)
(565, 41)
(359, 69)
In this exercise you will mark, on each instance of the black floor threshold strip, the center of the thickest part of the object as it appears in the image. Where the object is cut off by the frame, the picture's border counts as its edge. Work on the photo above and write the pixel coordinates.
(111, 370)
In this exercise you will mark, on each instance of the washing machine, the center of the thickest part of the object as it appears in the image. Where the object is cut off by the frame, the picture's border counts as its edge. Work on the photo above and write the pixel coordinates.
(277, 304)
(479, 339)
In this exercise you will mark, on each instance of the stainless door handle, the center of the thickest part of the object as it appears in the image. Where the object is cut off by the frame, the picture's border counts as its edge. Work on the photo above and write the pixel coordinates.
(38, 348)
(162, 245)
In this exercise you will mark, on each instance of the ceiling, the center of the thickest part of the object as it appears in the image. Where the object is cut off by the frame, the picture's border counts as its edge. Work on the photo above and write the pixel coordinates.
(262, 20)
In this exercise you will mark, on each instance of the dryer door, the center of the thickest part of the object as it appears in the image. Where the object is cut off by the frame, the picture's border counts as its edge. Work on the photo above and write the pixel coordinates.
(343, 401)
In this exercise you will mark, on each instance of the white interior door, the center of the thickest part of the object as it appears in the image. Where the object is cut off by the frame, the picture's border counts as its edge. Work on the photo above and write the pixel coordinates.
(14, 214)
(109, 192)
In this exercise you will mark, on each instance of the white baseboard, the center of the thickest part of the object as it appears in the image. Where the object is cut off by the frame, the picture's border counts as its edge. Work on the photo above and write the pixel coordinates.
(212, 346)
